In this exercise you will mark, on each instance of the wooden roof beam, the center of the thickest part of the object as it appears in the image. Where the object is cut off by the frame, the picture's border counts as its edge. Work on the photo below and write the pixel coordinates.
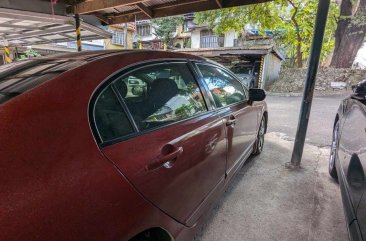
(102, 18)
(98, 5)
(147, 11)
(181, 7)
(219, 3)
(125, 18)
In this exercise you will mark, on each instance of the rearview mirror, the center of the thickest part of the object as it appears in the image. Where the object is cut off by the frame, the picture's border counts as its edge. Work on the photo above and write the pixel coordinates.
(257, 94)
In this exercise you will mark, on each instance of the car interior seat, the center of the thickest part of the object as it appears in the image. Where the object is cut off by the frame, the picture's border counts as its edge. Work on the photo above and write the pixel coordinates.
(161, 91)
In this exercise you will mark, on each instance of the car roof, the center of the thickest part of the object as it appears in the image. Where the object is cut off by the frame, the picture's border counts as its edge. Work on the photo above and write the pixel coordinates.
(22, 76)
(97, 54)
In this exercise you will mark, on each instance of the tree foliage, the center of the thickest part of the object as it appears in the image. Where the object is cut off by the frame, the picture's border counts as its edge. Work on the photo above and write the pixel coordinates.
(29, 53)
(350, 32)
(291, 21)
(166, 27)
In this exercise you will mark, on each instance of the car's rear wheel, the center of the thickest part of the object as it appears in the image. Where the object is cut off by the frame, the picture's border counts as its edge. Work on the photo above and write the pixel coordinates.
(333, 152)
(258, 147)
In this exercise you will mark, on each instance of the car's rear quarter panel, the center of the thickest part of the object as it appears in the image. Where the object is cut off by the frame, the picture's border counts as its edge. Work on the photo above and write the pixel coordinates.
(54, 182)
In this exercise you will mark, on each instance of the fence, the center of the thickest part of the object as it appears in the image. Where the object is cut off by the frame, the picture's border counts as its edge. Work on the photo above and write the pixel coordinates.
(212, 41)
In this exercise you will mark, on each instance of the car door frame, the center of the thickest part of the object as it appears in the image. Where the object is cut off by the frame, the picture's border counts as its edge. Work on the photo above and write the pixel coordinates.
(349, 210)
(213, 193)
(124, 71)
(231, 172)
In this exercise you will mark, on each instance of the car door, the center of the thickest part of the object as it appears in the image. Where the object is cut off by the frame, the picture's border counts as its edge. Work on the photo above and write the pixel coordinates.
(352, 156)
(174, 152)
(231, 101)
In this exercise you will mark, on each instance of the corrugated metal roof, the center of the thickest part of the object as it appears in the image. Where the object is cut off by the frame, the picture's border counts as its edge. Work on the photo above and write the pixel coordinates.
(126, 8)
(21, 28)
(158, 2)
(140, 9)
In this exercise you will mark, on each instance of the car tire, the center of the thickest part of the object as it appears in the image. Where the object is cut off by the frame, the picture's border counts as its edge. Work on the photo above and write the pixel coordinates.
(333, 152)
(258, 146)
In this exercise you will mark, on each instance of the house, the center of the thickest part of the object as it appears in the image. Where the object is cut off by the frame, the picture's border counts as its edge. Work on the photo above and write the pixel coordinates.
(144, 36)
(118, 36)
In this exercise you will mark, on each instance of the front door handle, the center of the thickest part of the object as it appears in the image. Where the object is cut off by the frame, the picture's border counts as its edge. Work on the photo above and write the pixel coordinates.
(166, 161)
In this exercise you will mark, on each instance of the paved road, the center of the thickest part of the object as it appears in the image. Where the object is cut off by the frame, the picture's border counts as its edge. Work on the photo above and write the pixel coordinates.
(284, 114)
(266, 201)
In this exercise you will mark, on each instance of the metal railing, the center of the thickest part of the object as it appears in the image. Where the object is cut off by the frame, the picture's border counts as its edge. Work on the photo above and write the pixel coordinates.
(212, 41)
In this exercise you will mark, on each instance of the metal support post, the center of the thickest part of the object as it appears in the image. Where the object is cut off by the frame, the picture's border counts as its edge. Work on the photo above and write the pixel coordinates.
(125, 32)
(7, 55)
(77, 29)
(321, 20)
(7, 52)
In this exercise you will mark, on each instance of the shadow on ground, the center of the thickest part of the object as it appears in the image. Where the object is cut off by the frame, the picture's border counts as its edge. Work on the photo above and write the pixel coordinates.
(266, 201)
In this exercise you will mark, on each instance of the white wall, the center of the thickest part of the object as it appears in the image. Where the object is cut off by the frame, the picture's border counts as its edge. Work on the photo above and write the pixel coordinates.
(195, 39)
(229, 39)
(360, 60)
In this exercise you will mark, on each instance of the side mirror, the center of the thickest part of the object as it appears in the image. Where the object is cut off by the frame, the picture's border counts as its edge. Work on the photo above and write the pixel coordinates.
(360, 90)
(256, 95)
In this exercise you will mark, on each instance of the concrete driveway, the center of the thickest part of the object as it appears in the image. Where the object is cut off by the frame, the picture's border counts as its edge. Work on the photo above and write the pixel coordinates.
(267, 201)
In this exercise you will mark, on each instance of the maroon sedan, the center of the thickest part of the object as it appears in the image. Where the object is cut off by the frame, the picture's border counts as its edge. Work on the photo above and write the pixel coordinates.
(132, 145)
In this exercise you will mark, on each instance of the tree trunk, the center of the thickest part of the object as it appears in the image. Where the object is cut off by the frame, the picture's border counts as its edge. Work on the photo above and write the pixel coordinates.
(349, 36)
(298, 35)
(299, 53)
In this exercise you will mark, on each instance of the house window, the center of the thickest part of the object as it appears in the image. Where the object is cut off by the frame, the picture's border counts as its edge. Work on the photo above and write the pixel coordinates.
(118, 38)
(144, 29)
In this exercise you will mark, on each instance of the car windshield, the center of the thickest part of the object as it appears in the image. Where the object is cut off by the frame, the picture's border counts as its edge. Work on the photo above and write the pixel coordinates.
(242, 69)
(19, 77)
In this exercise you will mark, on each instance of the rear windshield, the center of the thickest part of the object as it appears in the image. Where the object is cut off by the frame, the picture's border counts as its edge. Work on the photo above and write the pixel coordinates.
(19, 77)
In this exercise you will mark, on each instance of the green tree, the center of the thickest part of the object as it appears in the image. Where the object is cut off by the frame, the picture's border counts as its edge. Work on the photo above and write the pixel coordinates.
(292, 22)
(29, 53)
(166, 27)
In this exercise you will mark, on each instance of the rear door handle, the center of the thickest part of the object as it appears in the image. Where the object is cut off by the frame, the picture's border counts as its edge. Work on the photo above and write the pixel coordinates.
(230, 122)
(166, 161)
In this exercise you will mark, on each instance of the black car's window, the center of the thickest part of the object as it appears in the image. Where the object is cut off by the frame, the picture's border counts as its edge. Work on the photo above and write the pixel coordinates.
(110, 118)
(238, 69)
(20, 77)
(160, 94)
(224, 88)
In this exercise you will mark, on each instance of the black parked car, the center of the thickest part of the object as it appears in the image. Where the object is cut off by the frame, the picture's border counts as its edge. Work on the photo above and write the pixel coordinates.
(347, 160)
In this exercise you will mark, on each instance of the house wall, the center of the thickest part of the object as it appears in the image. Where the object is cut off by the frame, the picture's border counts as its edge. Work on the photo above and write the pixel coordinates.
(178, 41)
(108, 42)
(229, 39)
(195, 39)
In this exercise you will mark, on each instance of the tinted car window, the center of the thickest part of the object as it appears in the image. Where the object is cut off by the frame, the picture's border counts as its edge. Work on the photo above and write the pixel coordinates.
(20, 77)
(160, 94)
(224, 88)
(239, 69)
(110, 118)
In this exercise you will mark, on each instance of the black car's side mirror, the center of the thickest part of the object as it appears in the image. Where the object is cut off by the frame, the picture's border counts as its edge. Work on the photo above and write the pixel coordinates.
(359, 91)
(256, 95)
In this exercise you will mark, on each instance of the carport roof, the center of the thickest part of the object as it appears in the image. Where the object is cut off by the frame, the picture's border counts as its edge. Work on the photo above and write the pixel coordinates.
(23, 28)
(120, 11)
(222, 53)
(32, 23)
